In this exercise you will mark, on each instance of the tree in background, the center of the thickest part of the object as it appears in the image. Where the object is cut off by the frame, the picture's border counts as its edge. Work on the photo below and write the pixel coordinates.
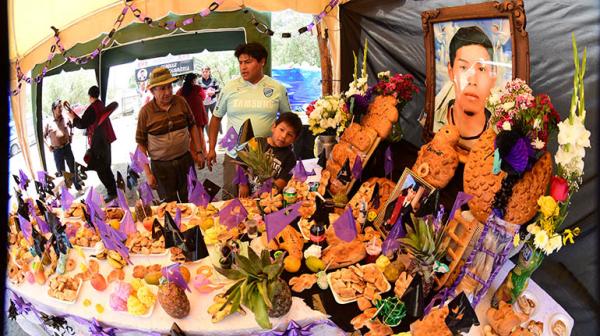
(71, 86)
(297, 50)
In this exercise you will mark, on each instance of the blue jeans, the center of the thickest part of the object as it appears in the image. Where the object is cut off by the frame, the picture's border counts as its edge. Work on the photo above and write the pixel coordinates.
(66, 154)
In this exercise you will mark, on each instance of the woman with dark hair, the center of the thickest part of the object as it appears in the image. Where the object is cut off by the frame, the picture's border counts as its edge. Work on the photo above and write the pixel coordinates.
(194, 95)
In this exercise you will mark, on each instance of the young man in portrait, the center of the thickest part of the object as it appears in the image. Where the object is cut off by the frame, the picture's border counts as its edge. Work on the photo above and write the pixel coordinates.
(472, 73)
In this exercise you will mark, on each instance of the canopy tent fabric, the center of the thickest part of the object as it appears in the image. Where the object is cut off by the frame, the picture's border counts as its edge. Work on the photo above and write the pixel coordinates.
(219, 31)
(84, 24)
(396, 42)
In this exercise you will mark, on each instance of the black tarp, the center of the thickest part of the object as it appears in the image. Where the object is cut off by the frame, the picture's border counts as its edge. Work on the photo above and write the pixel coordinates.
(395, 36)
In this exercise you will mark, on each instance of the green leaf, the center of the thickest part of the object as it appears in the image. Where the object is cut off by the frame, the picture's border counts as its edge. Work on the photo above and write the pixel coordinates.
(262, 289)
(272, 271)
(261, 313)
(236, 300)
(254, 259)
(248, 295)
(233, 287)
(247, 266)
(265, 258)
(231, 274)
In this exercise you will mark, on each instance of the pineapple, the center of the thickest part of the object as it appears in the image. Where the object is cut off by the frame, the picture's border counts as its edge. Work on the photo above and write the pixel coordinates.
(260, 165)
(258, 287)
(426, 245)
(173, 300)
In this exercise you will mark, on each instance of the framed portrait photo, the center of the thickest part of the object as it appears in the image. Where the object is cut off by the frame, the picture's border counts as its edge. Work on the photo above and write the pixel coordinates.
(410, 193)
(470, 50)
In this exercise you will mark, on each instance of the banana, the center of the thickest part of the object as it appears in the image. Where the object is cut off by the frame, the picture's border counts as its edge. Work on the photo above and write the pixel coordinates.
(115, 260)
(221, 314)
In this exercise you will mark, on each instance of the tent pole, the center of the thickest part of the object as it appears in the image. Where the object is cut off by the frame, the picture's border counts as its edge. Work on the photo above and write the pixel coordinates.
(325, 56)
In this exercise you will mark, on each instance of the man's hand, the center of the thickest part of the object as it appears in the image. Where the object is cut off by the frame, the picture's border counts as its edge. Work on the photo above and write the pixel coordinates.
(243, 190)
(211, 158)
(151, 180)
(51, 148)
(199, 159)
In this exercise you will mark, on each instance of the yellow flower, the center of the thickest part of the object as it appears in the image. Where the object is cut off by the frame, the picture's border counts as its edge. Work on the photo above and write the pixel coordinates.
(548, 206)
(516, 240)
(547, 225)
(540, 240)
(253, 144)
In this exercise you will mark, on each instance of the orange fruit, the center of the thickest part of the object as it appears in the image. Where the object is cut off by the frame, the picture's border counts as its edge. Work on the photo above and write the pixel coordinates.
(291, 264)
(185, 272)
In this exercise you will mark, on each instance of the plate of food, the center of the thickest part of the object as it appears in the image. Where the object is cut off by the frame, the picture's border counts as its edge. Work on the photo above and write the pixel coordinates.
(142, 244)
(134, 299)
(64, 289)
(349, 284)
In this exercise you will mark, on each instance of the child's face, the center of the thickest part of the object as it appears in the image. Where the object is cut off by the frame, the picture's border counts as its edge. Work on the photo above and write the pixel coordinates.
(473, 78)
(282, 135)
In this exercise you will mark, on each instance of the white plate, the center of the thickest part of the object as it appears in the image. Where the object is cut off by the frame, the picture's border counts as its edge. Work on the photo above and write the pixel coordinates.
(556, 317)
(64, 301)
(342, 301)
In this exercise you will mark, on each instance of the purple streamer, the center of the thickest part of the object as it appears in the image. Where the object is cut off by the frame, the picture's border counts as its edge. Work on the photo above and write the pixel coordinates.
(345, 227)
(173, 274)
(388, 164)
(277, 221)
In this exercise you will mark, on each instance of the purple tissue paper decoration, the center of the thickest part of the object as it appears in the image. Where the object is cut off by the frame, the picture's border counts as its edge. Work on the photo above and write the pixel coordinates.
(198, 195)
(300, 172)
(461, 199)
(265, 187)
(66, 199)
(229, 141)
(138, 161)
(240, 176)
(41, 175)
(357, 167)
(345, 227)
(437, 221)
(127, 225)
(23, 180)
(518, 157)
(25, 226)
(112, 239)
(277, 221)
(93, 201)
(391, 243)
(388, 163)
(178, 218)
(40, 222)
(173, 274)
(294, 329)
(233, 214)
(145, 193)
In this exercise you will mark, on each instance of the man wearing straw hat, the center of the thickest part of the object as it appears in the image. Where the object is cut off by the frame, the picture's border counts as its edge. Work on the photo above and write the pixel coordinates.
(167, 132)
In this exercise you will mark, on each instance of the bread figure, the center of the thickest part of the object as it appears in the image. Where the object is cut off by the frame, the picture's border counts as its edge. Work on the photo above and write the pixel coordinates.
(437, 160)
(482, 183)
(504, 319)
(361, 138)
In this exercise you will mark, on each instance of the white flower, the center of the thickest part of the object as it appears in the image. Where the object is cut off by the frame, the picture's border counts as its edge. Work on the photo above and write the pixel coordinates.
(537, 143)
(541, 239)
(384, 74)
(555, 243)
(508, 105)
(537, 123)
(506, 126)
(574, 133)
(494, 98)
(533, 229)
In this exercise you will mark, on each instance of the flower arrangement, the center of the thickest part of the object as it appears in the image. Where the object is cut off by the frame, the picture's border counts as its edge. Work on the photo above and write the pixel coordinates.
(358, 94)
(515, 106)
(401, 87)
(328, 115)
(573, 139)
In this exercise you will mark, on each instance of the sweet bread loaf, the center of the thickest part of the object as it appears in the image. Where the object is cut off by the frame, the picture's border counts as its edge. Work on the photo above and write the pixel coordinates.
(384, 106)
(437, 160)
(382, 126)
(342, 151)
(361, 138)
